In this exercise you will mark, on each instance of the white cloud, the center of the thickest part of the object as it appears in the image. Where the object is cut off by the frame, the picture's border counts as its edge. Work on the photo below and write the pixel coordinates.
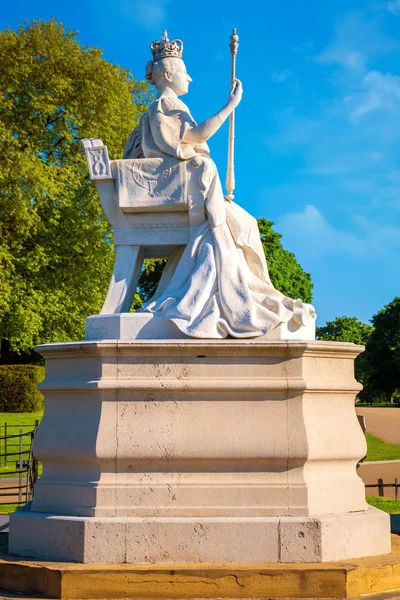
(309, 230)
(343, 56)
(151, 14)
(312, 236)
(377, 91)
(394, 7)
(357, 40)
(354, 272)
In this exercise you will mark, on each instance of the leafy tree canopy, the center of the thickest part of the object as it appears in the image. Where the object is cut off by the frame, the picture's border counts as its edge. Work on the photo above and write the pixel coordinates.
(383, 350)
(56, 251)
(286, 274)
(345, 329)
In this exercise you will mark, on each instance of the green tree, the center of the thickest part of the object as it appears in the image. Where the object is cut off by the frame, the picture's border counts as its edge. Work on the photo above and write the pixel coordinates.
(149, 278)
(56, 251)
(285, 272)
(349, 329)
(383, 352)
(345, 329)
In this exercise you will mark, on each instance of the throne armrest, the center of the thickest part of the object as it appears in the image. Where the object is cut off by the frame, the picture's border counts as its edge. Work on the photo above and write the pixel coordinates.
(97, 159)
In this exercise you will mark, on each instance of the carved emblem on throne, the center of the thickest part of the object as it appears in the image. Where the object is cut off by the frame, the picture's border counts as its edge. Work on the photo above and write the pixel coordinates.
(149, 177)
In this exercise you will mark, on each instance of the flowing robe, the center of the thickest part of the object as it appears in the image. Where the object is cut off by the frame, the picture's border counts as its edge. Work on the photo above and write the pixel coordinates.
(221, 285)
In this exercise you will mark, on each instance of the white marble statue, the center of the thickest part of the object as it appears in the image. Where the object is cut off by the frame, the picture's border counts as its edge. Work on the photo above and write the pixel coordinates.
(164, 199)
(221, 285)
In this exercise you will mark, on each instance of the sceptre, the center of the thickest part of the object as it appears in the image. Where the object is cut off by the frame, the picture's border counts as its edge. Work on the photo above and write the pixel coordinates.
(230, 172)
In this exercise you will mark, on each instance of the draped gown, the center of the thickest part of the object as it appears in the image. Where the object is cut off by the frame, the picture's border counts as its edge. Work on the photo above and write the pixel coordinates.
(221, 286)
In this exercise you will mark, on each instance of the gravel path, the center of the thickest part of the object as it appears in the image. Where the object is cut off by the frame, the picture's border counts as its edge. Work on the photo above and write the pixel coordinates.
(383, 423)
(10, 495)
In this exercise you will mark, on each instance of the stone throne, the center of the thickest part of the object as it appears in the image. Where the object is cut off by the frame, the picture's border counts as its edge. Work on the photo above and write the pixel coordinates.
(152, 221)
(152, 205)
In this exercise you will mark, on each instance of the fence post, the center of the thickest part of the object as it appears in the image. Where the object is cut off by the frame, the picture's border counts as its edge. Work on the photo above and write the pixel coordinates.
(5, 444)
(396, 489)
(20, 467)
(380, 488)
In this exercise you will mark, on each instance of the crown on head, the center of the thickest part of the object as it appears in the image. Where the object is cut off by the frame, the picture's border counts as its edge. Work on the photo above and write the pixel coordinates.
(166, 48)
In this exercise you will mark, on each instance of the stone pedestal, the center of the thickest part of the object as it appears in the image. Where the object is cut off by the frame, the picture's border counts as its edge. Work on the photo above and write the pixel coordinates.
(199, 451)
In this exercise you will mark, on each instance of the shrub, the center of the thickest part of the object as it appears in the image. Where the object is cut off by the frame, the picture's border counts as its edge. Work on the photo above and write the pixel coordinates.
(18, 391)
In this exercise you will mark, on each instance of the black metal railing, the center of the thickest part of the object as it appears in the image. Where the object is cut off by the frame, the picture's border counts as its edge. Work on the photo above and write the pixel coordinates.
(381, 487)
(20, 466)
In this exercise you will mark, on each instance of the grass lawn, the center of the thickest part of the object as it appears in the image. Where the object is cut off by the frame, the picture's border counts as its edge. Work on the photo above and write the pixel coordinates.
(385, 504)
(7, 509)
(379, 450)
(17, 420)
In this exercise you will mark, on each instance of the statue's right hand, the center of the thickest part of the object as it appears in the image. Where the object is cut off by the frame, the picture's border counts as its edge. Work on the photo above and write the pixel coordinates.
(235, 95)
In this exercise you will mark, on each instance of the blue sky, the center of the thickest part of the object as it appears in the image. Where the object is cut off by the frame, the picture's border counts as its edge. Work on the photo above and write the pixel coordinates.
(318, 135)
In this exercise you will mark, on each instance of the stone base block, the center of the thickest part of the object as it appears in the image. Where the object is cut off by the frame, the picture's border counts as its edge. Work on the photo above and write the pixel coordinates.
(131, 326)
(203, 540)
(148, 326)
(353, 578)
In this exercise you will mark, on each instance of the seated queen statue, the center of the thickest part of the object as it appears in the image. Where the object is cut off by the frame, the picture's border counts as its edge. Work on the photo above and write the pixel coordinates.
(220, 286)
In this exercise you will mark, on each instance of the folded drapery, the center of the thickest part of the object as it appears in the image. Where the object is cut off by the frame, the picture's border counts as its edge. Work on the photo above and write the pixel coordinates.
(221, 285)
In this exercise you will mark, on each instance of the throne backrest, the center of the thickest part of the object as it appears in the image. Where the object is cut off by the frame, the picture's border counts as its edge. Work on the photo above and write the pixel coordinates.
(141, 184)
(148, 201)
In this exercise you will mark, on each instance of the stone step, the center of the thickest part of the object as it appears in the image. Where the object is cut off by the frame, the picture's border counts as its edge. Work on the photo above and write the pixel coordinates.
(344, 579)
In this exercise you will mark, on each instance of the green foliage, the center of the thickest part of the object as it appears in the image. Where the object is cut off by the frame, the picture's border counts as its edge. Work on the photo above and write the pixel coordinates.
(56, 251)
(383, 352)
(150, 276)
(18, 393)
(285, 272)
(16, 420)
(345, 329)
(378, 368)
(8, 509)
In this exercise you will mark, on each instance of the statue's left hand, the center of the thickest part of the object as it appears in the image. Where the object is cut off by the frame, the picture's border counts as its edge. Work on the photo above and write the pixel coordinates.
(203, 132)
(235, 95)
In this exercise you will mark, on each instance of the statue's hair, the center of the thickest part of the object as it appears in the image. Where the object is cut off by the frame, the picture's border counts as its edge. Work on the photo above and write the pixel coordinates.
(155, 69)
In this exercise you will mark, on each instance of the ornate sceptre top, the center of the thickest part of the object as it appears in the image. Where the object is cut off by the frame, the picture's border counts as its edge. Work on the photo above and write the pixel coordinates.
(230, 172)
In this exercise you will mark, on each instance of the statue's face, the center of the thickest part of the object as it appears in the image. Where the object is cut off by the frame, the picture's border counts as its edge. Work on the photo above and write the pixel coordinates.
(178, 78)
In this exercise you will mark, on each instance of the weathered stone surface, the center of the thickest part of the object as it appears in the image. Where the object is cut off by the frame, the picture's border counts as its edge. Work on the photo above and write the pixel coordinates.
(177, 434)
(168, 540)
